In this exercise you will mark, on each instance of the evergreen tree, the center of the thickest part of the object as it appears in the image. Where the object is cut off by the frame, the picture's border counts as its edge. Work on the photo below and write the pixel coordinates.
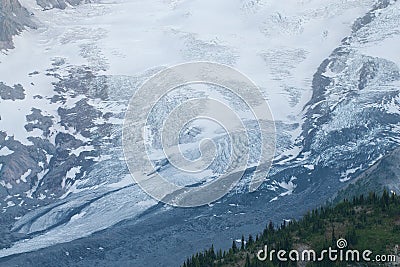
(250, 241)
(385, 200)
(234, 247)
(271, 227)
(333, 236)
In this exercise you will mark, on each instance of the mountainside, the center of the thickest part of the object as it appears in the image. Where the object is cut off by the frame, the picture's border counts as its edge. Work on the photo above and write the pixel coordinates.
(363, 223)
(13, 19)
(385, 174)
(61, 4)
(329, 70)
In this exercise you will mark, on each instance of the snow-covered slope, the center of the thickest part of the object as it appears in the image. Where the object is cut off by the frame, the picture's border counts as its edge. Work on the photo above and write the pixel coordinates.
(329, 71)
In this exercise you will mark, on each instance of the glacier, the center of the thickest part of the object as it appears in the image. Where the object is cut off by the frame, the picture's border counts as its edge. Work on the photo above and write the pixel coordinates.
(315, 62)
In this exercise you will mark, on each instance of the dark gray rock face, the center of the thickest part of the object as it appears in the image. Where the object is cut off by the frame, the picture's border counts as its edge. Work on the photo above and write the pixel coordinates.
(61, 4)
(39, 121)
(370, 16)
(11, 93)
(385, 174)
(24, 160)
(13, 19)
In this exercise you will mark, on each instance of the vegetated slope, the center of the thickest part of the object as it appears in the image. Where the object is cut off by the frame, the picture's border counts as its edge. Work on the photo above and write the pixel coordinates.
(369, 222)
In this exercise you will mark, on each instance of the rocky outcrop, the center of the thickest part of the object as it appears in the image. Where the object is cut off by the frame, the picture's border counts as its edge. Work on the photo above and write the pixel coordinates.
(385, 174)
(13, 19)
(61, 4)
(13, 93)
(352, 117)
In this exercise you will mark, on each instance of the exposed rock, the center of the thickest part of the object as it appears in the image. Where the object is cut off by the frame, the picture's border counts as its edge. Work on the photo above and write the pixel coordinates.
(61, 4)
(349, 116)
(11, 93)
(13, 19)
(23, 161)
(39, 121)
(383, 174)
(370, 16)
(82, 81)
(79, 117)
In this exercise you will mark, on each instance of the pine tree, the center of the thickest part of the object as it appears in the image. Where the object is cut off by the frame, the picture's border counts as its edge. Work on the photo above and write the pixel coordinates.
(333, 236)
(271, 227)
(219, 254)
(212, 252)
(385, 199)
(234, 247)
(250, 241)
